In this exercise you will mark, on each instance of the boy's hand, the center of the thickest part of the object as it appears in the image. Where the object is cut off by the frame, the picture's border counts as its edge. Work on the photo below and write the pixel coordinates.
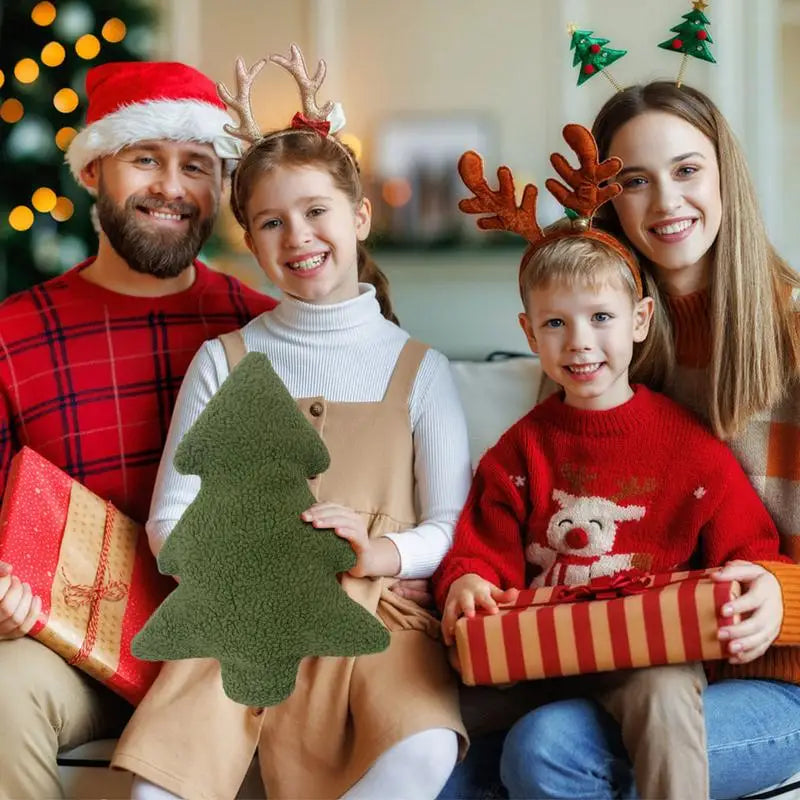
(465, 594)
(374, 557)
(761, 608)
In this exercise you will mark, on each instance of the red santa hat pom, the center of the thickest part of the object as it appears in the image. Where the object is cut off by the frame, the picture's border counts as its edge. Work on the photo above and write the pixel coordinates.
(132, 101)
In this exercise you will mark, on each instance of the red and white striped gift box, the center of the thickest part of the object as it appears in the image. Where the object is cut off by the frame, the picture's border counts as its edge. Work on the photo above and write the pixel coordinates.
(630, 620)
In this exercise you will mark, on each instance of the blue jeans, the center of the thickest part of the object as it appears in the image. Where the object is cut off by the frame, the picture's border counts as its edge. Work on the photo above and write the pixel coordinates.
(572, 748)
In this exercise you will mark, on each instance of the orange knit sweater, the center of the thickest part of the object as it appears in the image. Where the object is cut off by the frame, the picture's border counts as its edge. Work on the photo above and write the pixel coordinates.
(769, 451)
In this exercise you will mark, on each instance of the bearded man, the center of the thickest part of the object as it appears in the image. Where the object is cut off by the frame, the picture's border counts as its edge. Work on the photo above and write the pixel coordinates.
(91, 362)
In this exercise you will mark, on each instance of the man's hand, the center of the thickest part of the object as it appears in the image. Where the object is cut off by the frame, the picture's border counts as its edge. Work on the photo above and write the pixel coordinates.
(465, 594)
(19, 609)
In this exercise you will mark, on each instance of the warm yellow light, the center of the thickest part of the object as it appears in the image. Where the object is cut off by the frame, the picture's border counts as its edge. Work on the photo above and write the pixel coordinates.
(43, 14)
(53, 54)
(396, 192)
(65, 100)
(114, 30)
(64, 136)
(2, 77)
(88, 46)
(26, 70)
(44, 199)
(20, 218)
(63, 209)
(354, 143)
(11, 110)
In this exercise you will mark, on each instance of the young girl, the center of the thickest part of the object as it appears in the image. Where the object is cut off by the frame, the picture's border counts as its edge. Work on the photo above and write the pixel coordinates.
(385, 725)
(689, 210)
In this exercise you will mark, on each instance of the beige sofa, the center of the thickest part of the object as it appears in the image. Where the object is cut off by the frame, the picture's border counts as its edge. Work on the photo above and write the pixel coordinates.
(494, 394)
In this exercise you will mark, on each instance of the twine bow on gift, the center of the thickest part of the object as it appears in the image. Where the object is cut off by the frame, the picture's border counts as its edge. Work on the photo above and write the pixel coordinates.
(606, 587)
(76, 595)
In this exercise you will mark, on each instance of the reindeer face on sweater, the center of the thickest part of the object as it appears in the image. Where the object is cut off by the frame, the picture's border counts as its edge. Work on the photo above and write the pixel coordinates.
(587, 526)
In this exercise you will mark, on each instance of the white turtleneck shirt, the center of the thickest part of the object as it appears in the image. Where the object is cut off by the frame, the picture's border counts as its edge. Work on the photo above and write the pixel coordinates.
(346, 353)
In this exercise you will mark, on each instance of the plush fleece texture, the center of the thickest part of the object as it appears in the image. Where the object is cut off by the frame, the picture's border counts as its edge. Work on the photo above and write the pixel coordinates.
(258, 587)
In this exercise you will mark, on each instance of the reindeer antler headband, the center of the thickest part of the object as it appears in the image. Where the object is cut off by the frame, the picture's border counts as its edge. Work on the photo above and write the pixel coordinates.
(588, 187)
(325, 120)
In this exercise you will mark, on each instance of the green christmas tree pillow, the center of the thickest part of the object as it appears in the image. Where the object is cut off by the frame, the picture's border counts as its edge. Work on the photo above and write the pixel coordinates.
(258, 586)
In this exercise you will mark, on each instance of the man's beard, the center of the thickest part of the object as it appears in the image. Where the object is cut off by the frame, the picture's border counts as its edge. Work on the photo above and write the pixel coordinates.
(150, 249)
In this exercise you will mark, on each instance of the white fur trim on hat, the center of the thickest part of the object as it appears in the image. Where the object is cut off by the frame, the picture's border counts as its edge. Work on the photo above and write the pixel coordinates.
(176, 120)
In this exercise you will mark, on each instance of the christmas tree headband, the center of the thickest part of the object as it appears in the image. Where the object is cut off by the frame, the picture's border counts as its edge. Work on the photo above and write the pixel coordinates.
(325, 120)
(588, 187)
(692, 39)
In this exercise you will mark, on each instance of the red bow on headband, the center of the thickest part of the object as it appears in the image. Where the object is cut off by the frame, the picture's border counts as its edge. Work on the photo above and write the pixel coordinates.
(606, 587)
(321, 126)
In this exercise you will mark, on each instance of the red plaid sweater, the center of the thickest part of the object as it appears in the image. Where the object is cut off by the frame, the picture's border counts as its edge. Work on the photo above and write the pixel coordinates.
(567, 495)
(769, 451)
(89, 377)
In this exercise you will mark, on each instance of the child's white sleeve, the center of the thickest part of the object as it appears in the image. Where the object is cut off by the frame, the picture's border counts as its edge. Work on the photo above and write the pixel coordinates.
(173, 492)
(442, 470)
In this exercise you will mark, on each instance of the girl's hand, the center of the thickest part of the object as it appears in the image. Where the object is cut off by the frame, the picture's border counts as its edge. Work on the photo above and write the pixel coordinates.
(374, 557)
(465, 594)
(761, 608)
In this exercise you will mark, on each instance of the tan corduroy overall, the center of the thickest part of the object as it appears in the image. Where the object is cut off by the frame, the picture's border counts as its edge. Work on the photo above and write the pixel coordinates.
(188, 737)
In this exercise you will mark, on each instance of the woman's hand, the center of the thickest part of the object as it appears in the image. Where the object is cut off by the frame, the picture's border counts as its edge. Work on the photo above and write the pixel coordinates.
(19, 609)
(465, 594)
(374, 557)
(416, 589)
(760, 606)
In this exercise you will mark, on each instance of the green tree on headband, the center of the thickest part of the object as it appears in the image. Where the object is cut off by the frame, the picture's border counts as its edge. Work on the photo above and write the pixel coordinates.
(692, 36)
(591, 53)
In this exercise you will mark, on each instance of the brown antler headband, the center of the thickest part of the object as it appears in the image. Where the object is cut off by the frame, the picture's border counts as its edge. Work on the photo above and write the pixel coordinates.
(586, 190)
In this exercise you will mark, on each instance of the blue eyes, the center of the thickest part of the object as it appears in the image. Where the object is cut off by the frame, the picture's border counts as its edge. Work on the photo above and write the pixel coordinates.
(598, 317)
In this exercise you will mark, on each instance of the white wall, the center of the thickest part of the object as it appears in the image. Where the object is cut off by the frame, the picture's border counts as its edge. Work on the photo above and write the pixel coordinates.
(510, 61)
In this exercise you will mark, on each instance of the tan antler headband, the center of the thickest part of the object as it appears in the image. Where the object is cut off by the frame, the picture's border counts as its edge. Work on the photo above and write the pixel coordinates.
(587, 189)
(325, 120)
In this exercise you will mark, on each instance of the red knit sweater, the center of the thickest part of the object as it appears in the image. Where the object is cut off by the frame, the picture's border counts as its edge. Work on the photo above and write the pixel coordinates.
(568, 494)
(88, 377)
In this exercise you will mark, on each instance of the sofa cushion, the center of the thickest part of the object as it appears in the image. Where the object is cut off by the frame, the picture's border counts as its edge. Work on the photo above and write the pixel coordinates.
(495, 394)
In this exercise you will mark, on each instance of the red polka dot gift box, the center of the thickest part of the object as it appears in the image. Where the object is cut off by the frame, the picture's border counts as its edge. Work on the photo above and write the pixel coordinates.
(90, 565)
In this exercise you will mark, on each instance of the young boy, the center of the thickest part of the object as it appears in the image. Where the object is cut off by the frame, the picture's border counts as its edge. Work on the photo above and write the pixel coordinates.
(603, 477)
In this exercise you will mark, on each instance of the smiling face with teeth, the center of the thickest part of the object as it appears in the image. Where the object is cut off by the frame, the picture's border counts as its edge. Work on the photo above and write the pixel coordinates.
(584, 336)
(304, 232)
(156, 203)
(670, 208)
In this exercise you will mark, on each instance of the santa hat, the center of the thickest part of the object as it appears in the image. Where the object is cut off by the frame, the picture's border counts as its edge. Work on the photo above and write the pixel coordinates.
(131, 101)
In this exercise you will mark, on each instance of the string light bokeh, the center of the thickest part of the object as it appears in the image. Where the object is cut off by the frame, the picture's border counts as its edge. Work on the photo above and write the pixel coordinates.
(46, 48)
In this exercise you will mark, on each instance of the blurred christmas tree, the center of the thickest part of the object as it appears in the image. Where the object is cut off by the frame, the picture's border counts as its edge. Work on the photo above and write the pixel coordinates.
(46, 49)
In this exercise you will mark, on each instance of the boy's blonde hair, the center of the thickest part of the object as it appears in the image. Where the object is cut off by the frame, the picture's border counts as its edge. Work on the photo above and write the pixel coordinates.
(580, 261)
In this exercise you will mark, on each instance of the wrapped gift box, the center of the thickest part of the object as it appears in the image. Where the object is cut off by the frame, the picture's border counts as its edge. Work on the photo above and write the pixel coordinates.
(90, 565)
(630, 620)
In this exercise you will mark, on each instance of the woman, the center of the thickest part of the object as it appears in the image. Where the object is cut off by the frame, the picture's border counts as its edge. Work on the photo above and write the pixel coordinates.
(689, 210)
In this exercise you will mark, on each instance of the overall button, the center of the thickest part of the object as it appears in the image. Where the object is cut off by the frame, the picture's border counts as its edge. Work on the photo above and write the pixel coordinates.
(316, 409)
